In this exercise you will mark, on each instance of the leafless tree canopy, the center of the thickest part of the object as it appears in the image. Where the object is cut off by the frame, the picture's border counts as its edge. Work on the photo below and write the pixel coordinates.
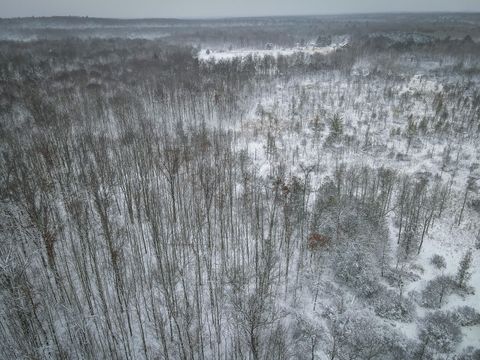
(199, 190)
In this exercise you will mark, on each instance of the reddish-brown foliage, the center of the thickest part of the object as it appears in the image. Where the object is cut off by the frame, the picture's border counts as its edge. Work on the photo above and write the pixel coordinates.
(317, 241)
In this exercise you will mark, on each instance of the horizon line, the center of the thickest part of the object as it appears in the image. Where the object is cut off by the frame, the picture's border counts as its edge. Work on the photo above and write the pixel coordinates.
(227, 17)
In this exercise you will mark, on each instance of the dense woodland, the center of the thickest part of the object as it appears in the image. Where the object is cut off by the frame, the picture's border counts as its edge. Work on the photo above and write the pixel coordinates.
(156, 204)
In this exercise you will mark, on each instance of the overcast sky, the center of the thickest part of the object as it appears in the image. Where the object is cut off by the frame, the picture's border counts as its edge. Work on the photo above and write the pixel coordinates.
(219, 8)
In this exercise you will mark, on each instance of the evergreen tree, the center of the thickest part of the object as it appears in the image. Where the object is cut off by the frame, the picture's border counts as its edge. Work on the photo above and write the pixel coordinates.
(464, 273)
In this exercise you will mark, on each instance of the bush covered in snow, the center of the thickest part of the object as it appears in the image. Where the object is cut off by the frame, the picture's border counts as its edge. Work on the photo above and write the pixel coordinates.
(438, 262)
(466, 316)
(355, 268)
(439, 333)
(390, 305)
(436, 291)
(470, 353)
(360, 335)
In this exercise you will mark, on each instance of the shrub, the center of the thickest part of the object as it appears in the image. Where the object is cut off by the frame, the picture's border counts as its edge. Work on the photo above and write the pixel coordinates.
(436, 291)
(438, 262)
(394, 275)
(466, 316)
(354, 268)
(361, 335)
(470, 353)
(440, 332)
(389, 305)
(317, 241)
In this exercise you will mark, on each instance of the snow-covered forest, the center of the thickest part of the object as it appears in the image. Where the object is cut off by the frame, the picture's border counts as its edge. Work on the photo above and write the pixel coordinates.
(255, 188)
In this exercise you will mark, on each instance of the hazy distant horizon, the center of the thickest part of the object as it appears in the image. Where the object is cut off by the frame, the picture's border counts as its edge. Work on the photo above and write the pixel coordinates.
(472, 12)
(211, 9)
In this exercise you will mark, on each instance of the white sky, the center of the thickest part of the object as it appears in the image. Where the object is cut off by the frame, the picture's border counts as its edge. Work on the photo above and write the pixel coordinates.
(218, 8)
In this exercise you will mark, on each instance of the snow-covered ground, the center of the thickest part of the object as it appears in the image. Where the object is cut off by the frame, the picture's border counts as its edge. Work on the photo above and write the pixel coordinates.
(218, 55)
(200, 200)
(298, 146)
